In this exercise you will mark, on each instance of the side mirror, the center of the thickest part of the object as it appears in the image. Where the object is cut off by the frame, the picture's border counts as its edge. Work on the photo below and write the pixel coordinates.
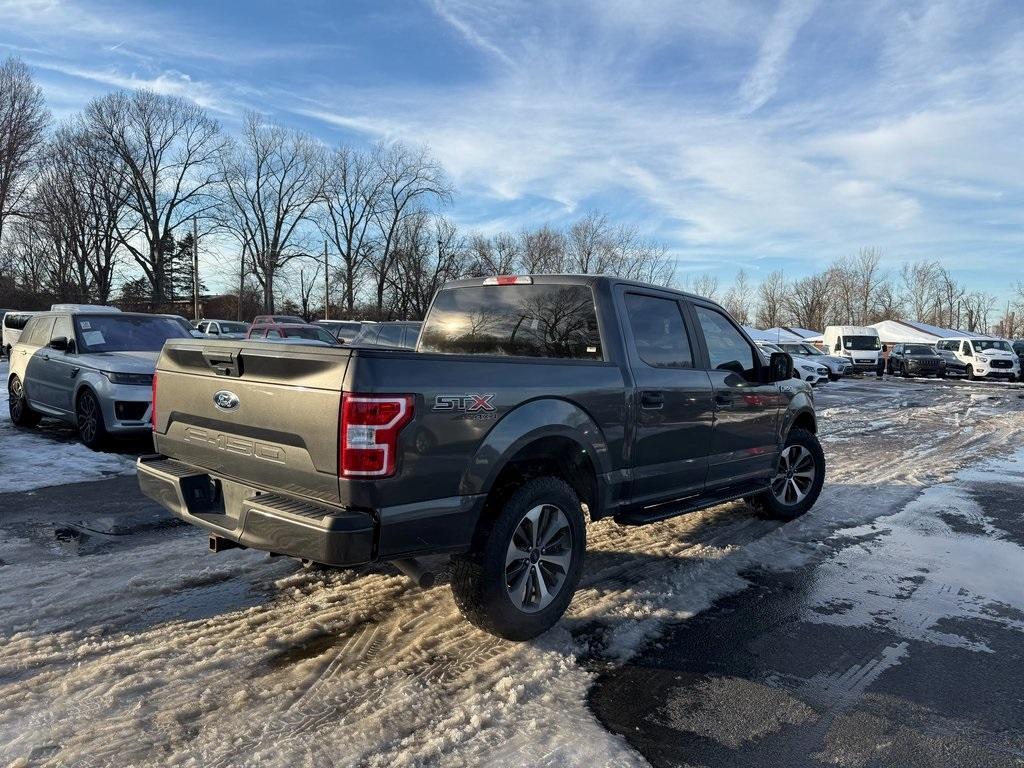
(60, 344)
(780, 367)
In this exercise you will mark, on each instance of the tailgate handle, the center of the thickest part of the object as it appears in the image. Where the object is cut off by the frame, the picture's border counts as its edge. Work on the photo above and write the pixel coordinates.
(224, 363)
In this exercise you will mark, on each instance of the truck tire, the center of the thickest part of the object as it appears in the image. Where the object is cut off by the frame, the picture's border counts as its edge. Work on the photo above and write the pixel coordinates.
(92, 431)
(21, 414)
(798, 478)
(522, 574)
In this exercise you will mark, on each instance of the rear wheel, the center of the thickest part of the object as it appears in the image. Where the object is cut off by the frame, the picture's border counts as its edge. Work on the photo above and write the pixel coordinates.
(21, 414)
(523, 573)
(798, 478)
(89, 417)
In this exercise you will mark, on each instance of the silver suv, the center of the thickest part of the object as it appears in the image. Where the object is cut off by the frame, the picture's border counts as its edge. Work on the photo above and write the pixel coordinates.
(90, 366)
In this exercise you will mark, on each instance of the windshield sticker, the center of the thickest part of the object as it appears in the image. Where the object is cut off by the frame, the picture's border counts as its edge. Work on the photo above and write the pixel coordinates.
(86, 325)
(93, 337)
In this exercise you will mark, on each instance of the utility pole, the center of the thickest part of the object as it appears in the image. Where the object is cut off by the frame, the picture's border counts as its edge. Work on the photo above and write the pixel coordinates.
(241, 280)
(195, 269)
(327, 284)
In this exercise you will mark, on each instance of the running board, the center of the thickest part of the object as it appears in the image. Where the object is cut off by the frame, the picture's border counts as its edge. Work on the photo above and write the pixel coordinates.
(692, 504)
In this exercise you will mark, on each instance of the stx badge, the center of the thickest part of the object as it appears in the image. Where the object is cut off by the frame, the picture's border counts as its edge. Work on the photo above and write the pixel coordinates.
(471, 403)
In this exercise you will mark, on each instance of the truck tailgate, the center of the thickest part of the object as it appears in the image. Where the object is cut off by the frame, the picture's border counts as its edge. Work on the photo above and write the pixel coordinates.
(262, 414)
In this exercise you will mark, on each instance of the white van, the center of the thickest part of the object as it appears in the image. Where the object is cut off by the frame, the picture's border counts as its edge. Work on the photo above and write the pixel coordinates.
(980, 358)
(14, 322)
(859, 344)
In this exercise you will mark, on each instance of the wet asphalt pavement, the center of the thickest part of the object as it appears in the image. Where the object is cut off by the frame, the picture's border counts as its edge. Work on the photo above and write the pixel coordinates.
(900, 645)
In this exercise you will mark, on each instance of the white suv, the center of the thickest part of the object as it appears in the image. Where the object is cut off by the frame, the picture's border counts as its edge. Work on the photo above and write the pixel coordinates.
(980, 358)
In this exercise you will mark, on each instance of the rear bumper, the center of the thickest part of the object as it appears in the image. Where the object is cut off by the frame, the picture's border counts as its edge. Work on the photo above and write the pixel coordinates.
(266, 521)
(313, 530)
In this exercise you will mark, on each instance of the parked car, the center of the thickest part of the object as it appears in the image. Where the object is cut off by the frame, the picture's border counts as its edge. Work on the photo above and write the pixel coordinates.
(343, 330)
(837, 366)
(223, 329)
(916, 360)
(858, 344)
(270, 319)
(980, 358)
(93, 369)
(804, 368)
(13, 326)
(277, 331)
(188, 325)
(1018, 349)
(581, 396)
(397, 333)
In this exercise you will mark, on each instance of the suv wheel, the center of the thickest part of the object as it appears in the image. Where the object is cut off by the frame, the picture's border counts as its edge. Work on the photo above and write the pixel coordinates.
(523, 572)
(89, 418)
(798, 478)
(970, 373)
(21, 414)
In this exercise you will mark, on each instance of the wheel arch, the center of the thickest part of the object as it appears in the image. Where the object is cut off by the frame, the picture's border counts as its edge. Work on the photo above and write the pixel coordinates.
(544, 436)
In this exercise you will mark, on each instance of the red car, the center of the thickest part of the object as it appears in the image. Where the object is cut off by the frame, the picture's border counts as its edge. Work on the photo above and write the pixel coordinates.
(281, 331)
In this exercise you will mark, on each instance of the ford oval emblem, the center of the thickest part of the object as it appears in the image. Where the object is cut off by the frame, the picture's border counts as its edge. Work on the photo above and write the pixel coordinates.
(225, 400)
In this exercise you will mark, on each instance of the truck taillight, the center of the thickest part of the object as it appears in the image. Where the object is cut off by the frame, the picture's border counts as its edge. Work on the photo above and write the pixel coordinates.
(368, 433)
(152, 408)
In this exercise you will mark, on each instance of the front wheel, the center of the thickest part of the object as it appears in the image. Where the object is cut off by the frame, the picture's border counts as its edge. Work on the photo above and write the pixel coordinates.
(89, 416)
(798, 478)
(527, 562)
(970, 373)
(21, 414)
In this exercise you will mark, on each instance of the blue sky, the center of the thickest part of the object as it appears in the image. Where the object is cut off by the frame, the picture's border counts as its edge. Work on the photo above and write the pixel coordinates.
(764, 134)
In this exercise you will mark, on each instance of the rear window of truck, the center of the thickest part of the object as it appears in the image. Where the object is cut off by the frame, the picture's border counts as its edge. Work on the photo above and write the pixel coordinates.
(514, 320)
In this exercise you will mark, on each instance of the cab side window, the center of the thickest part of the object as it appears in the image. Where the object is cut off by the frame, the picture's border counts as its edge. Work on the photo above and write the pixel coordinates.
(658, 331)
(966, 349)
(272, 334)
(728, 350)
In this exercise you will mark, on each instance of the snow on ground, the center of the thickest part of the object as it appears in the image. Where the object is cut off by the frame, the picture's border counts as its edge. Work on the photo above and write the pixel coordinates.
(161, 654)
(48, 455)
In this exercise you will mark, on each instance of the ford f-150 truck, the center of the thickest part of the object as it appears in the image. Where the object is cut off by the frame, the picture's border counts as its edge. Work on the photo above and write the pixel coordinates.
(530, 405)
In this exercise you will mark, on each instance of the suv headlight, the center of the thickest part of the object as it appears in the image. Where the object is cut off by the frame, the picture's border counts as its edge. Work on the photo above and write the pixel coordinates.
(137, 379)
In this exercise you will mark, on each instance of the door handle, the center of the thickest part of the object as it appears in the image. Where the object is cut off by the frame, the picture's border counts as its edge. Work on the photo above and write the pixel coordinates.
(723, 400)
(652, 399)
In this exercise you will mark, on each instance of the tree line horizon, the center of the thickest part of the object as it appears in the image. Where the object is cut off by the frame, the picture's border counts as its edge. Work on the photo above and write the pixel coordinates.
(100, 207)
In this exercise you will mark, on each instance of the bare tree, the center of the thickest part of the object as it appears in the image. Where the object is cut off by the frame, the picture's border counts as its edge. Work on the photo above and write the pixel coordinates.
(978, 305)
(920, 289)
(738, 298)
(808, 300)
(273, 177)
(410, 180)
(306, 288)
(543, 251)
(499, 255)
(706, 285)
(170, 149)
(771, 298)
(429, 253)
(353, 187)
(23, 121)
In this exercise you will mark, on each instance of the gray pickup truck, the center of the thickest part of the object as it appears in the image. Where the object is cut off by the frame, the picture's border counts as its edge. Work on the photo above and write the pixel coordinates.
(529, 405)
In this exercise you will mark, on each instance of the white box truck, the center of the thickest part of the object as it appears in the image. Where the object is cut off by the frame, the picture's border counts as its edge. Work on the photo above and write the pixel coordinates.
(859, 344)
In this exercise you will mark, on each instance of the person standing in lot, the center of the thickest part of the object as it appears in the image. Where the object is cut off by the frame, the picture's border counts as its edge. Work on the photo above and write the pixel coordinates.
(883, 361)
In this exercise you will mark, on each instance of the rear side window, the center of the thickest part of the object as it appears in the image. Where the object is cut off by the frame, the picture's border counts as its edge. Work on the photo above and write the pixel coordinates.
(557, 321)
(37, 332)
(727, 349)
(658, 331)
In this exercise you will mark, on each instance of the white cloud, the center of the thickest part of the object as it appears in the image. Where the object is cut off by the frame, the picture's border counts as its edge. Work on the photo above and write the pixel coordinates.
(763, 81)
